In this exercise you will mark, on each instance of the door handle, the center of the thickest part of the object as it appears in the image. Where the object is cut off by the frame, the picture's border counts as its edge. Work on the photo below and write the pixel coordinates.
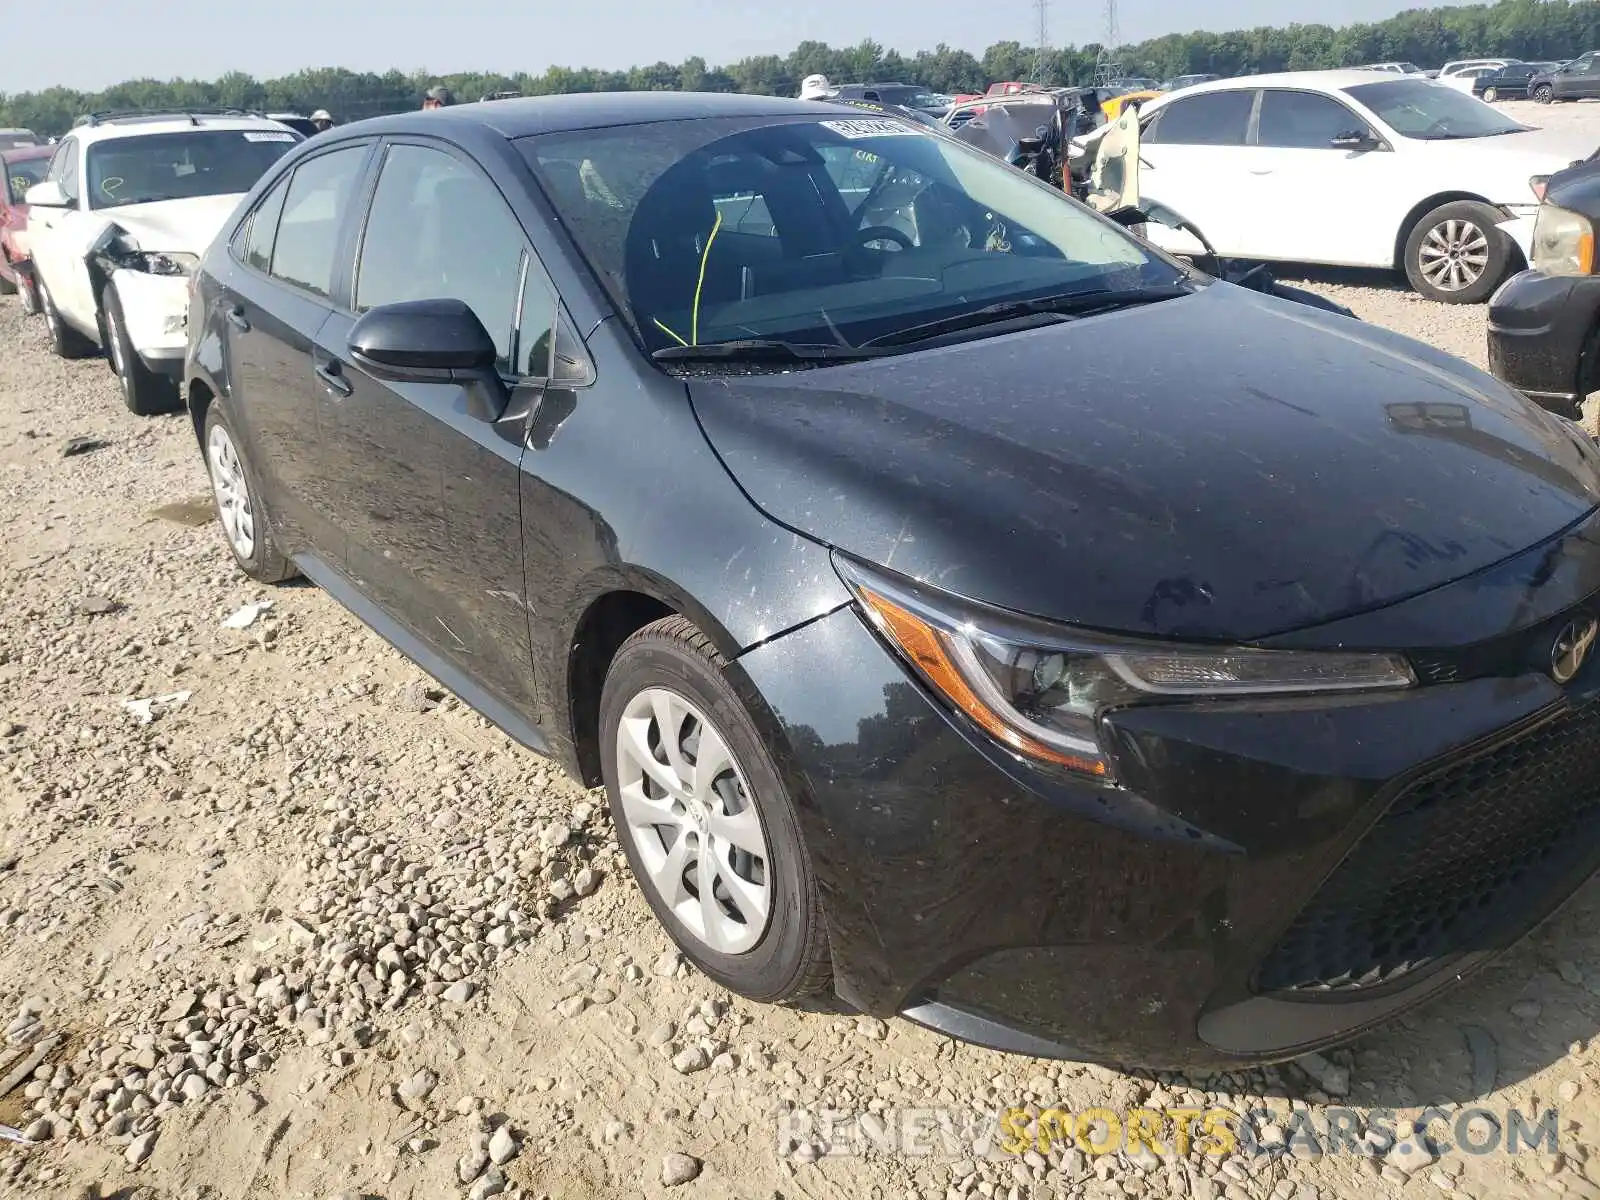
(1261, 171)
(237, 320)
(333, 379)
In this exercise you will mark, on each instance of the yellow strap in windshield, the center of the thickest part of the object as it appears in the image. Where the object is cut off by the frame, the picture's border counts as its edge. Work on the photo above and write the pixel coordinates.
(694, 317)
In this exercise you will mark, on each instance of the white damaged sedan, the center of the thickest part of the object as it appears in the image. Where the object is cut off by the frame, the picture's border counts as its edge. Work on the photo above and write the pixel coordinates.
(1357, 169)
(118, 224)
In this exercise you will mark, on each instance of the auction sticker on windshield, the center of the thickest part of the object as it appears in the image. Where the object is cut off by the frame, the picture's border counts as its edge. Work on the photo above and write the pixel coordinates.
(254, 136)
(870, 127)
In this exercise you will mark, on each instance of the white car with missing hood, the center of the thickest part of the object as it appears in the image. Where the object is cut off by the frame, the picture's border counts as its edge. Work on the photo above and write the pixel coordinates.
(118, 224)
(1355, 169)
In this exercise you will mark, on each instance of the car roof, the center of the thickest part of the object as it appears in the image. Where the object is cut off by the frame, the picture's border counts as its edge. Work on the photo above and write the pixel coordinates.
(1311, 81)
(529, 115)
(143, 127)
(23, 153)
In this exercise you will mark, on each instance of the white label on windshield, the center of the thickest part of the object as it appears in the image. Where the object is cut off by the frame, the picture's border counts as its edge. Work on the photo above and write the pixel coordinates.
(871, 127)
(285, 136)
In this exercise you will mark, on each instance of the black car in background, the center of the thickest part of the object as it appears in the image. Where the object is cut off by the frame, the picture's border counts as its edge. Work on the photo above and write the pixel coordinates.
(967, 608)
(1509, 82)
(902, 95)
(1575, 80)
(1544, 324)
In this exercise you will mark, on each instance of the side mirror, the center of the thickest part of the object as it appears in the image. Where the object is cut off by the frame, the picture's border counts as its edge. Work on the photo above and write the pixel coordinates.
(432, 341)
(1354, 140)
(46, 195)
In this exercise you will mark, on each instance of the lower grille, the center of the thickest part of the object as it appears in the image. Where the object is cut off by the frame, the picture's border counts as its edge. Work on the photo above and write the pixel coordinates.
(1459, 862)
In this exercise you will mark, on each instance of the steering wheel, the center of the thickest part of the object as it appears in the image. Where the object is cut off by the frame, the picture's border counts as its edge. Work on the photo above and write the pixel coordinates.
(882, 233)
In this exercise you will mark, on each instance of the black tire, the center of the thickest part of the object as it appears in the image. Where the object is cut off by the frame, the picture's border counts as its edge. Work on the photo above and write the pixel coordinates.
(790, 961)
(1447, 229)
(66, 341)
(1543, 94)
(1490, 95)
(143, 391)
(264, 562)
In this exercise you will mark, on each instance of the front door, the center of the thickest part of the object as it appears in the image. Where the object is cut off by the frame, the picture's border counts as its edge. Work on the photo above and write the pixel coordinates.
(428, 491)
(1306, 183)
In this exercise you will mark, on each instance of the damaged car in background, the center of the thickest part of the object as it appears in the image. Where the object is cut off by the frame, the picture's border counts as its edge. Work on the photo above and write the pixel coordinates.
(1035, 134)
(127, 206)
(1355, 169)
(20, 169)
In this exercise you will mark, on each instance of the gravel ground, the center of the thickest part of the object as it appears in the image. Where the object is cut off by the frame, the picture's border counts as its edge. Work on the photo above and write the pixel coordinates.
(305, 926)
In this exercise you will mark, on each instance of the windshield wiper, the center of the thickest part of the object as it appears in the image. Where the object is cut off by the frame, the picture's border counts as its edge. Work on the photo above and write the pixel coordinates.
(1065, 305)
(765, 350)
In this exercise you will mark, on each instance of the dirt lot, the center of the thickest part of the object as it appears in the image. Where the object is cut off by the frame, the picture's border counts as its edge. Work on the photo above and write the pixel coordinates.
(315, 930)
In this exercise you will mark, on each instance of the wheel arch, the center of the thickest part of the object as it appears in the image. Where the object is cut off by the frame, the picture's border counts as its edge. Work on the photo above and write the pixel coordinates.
(1423, 208)
(613, 606)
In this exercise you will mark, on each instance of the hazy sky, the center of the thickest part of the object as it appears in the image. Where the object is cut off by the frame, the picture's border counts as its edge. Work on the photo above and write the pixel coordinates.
(205, 38)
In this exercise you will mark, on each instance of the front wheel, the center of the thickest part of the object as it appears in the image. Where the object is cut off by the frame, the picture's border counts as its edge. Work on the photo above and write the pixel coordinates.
(709, 828)
(1543, 94)
(1490, 95)
(1457, 255)
(143, 391)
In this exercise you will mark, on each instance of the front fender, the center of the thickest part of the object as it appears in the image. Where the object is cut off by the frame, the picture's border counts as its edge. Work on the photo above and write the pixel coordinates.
(1520, 230)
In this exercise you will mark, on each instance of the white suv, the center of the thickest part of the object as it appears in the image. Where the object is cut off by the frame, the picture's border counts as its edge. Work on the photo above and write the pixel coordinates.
(126, 208)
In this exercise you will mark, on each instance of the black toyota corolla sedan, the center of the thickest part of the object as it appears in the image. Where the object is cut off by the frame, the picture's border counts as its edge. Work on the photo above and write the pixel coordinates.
(967, 609)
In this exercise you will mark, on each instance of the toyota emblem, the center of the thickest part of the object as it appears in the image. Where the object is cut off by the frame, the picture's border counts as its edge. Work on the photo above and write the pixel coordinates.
(1571, 648)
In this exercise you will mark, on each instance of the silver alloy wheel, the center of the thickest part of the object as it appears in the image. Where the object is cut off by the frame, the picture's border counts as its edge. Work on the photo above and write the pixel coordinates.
(1490, 95)
(692, 821)
(1454, 255)
(233, 496)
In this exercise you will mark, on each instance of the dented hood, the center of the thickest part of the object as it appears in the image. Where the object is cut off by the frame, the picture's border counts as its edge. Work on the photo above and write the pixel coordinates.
(1223, 465)
(175, 226)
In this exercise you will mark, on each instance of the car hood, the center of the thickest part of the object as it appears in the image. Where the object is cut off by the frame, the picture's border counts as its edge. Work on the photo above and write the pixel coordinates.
(175, 226)
(1539, 151)
(1224, 465)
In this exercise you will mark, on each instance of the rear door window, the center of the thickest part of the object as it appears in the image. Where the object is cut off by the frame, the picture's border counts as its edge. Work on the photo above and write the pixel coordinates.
(263, 230)
(1212, 119)
(317, 198)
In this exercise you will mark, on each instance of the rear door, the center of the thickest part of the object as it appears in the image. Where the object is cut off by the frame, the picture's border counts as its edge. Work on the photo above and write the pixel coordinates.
(430, 492)
(283, 268)
(1197, 163)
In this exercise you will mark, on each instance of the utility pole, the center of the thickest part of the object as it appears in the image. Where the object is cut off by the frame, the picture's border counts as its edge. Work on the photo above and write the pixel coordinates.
(1041, 53)
(1106, 67)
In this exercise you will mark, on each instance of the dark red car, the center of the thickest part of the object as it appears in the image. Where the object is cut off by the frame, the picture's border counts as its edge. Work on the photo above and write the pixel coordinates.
(20, 169)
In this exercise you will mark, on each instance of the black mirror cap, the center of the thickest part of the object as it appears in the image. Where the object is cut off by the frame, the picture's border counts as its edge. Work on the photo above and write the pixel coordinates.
(426, 337)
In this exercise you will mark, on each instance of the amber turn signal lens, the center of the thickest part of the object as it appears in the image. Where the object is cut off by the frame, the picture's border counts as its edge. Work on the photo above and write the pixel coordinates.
(927, 649)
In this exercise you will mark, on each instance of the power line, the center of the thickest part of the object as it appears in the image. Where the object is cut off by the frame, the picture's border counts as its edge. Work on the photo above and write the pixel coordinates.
(1041, 53)
(1106, 67)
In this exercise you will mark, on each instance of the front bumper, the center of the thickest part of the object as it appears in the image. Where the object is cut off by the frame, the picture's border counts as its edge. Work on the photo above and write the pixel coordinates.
(1539, 331)
(156, 311)
(1273, 877)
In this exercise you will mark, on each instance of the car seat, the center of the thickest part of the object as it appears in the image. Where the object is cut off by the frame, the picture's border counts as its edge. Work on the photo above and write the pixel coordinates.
(666, 245)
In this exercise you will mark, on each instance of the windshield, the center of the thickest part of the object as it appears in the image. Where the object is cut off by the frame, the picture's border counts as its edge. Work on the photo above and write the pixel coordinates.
(1432, 112)
(23, 174)
(180, 166)
(831, 231)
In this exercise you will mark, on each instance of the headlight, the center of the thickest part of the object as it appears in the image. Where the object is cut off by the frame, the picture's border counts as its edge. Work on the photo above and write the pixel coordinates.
(1563, 242)
(1040, 689)
(156, 263)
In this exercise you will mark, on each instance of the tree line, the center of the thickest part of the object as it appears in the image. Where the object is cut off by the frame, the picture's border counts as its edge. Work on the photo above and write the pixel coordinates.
(1529, 29)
